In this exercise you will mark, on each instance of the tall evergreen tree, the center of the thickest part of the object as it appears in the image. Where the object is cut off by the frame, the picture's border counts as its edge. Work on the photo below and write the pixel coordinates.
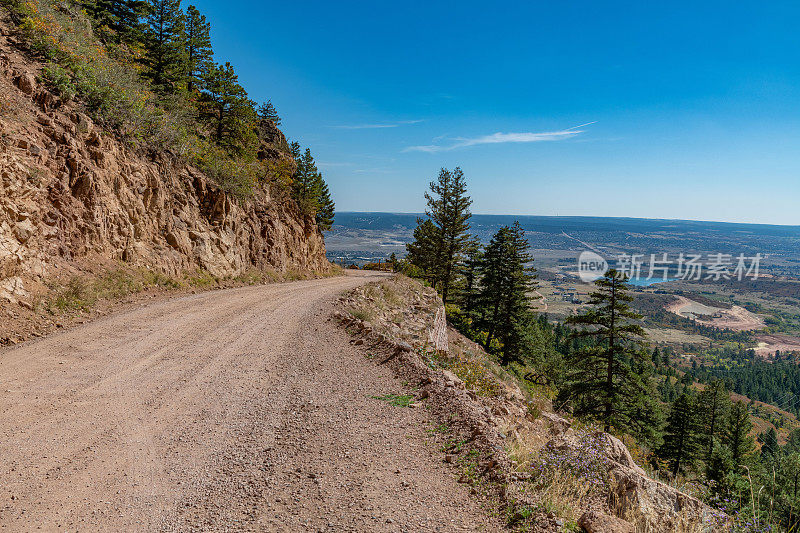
(656, 357)
(295, 150)
(473, 255)
(715, 401)
(506, 281)
(118, 21)
(681, 436)
(769, 445)
(422, 251)
(601, 381)
(304, 183)
(165, 51)
(737, 433)
(719, 464)
(448, 210)
(310, 190)
(325, 205)
(228, 109)
(267, 111)
(199, 54)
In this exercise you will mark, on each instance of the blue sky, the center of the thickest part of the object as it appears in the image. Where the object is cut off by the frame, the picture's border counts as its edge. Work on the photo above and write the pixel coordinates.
(643, 109)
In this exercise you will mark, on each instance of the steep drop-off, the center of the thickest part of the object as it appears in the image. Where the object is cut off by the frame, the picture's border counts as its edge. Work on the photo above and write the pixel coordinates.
(75, 198)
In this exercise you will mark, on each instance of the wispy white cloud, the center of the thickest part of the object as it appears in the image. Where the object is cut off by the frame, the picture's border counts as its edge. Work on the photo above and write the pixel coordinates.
(330, 164)
(500, 138)
(372, 170)
(377, 126)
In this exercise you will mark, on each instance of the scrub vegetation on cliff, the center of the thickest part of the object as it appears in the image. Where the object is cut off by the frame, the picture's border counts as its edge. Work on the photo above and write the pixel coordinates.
(146, 70)
(130, 162)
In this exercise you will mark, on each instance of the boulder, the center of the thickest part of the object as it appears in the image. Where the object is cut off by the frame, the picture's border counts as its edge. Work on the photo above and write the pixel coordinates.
(558, 425)
(650, 504)
(615, 450)
(656, 506)
(597, 522)
(26, 83)
(24, 230)
(12, 289)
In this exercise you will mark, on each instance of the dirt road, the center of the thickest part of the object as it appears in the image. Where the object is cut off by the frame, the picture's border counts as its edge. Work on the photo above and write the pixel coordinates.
(242, 409)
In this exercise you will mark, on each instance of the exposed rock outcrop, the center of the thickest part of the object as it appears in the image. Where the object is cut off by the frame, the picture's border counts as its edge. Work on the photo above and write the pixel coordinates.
(73, 196)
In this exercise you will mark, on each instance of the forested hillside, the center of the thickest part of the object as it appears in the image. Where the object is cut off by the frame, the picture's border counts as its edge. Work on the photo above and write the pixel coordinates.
(681, 421)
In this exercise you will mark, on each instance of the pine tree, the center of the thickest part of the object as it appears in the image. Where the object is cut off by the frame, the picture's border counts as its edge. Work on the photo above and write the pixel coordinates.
(304, 183)
(601, 381)
(656, 357)
(737, 433)
(473, 255)
(165, 58)
(325, 206)
(448, 210)
(228, 109)
(769, 445)
(118, 21)
(267, 112)
(295, 150)
(506, 281)
(199, 54)
(715, 401)
(310, 190)
(422, 251)
(719, 464)
(681, 436)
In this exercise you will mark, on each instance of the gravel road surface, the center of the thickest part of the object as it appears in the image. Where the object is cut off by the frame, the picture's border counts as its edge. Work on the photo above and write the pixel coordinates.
(236, 410)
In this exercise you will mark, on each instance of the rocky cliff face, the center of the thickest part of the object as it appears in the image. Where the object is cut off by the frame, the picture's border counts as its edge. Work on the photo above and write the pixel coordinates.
(73, 197)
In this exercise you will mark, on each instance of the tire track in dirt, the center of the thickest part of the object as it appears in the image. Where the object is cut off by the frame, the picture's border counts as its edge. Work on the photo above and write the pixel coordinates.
(242, 410)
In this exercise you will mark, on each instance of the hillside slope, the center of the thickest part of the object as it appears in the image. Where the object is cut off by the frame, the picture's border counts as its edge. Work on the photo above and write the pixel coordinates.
(542, 471)
(75, 198)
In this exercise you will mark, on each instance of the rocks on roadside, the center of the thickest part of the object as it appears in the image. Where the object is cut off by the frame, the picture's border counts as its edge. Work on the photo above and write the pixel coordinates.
(597, 522)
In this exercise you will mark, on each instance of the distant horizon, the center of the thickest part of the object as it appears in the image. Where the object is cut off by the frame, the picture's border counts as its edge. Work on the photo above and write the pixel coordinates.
(686, 113)
(414, 213)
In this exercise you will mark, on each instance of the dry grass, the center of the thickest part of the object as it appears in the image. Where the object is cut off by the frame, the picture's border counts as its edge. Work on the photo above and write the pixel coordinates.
(564, 497)
(81, 293)
(469, 368)
(681, 522)
(523, 445)
(362, 313)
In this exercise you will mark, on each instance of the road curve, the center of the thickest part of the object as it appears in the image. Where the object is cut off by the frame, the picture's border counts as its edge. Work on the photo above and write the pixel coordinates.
(235, 410)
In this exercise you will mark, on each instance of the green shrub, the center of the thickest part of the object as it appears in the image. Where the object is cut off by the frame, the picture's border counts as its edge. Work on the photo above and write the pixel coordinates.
(76, 295)
(235, 177)
(59, 80)
(397, 400)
